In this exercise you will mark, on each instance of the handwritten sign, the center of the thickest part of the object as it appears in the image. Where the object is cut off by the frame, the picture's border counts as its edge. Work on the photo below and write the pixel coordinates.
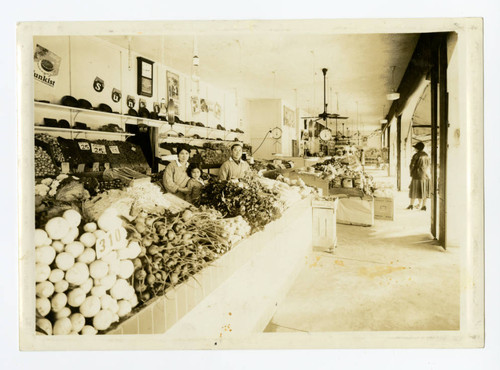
(107, 166)
(114, 149)
(84, 145)
(112, 240)
(81, 167)
(95, 167)
(98, 148)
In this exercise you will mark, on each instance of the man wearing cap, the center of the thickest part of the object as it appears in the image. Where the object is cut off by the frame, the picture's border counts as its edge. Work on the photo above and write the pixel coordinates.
(234, 168)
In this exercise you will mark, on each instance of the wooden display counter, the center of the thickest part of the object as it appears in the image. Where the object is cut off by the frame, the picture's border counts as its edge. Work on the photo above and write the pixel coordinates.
(239, 293)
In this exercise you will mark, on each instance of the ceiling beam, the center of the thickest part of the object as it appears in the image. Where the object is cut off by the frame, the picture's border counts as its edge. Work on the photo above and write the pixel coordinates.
(418, 68)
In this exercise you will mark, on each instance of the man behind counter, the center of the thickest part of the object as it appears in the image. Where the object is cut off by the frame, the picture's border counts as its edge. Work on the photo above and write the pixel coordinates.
(234, 167)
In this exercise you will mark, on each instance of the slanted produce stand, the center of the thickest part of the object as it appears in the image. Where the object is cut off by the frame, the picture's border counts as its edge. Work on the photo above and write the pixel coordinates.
(265, 264)
(115, 255)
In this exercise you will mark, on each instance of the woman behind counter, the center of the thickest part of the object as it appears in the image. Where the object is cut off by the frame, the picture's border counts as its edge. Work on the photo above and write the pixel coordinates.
(175, 177)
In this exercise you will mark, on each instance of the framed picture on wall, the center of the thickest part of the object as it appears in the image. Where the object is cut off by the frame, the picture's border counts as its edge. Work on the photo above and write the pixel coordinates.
(173, 86)
(144, 77)
(288, 117)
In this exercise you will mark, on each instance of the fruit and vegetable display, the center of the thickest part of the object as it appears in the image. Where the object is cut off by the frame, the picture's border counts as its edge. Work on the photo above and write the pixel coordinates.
(55, 195)
(87, 152)
(106, 245)
(176, 246)
(43, 163)
(83, 274)
(52, 146)
(246, 197)
(345, 172)
(288, 191)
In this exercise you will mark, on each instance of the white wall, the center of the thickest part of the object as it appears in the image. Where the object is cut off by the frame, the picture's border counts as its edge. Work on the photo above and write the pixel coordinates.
(266, 114)
(84, 57)
(456, 199)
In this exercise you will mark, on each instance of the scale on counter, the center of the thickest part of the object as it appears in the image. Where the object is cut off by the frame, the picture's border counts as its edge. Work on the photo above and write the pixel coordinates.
(325, 135)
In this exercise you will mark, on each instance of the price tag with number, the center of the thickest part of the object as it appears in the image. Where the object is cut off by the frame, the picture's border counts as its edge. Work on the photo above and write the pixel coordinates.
(81, 167)
(95, 167)
(84, 145)
(114, 239)
(98, 148)
(107, 166)
(114, 149)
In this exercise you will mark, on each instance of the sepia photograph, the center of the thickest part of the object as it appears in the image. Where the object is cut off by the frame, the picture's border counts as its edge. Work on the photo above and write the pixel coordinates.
(332, 198)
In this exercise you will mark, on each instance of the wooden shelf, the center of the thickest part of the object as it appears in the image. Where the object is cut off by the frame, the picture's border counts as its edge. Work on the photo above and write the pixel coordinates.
(138, 120)
(72, 130)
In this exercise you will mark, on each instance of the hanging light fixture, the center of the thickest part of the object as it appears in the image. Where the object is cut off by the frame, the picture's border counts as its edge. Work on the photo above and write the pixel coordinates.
(129, 41)
(393, 95)
(383, 120)
(195, 76)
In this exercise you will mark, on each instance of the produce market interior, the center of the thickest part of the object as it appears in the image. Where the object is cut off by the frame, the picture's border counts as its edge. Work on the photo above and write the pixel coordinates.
(215, 181)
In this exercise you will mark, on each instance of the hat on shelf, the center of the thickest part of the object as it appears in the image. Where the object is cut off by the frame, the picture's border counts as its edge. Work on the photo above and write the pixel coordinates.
(81, 126)
(69, 101)
(219, 127)
(50, 122)
(104, 108)
(63, 123)
(132, 112)
(143, 112)
(153, 115)
(84, 104)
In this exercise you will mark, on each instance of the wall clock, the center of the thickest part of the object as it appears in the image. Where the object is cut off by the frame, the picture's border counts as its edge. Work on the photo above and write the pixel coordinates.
(276, 133)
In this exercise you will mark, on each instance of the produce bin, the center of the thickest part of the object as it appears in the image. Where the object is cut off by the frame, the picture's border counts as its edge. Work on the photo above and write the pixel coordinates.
(324, 225)
(266, 263)
(356, 211)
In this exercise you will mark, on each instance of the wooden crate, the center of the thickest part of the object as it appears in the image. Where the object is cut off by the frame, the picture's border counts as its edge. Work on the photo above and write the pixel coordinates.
(384, 209)
(324, 215)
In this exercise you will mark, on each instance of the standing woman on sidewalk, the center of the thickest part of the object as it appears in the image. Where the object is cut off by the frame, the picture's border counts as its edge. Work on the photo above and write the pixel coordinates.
(420, 179)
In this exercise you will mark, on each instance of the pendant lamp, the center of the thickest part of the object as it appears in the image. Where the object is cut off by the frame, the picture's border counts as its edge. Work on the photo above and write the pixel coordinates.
(393, 95)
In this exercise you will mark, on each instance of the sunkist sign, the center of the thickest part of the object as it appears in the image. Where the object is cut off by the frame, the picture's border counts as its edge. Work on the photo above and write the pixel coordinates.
(46, 66)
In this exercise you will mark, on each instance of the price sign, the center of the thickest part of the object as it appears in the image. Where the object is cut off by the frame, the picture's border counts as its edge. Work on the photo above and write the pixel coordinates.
(65, 167)
(114, 149)
(113, 239)
(81, 167)
(98, 148)
(95, 167)
(107, 166)
(84, 145)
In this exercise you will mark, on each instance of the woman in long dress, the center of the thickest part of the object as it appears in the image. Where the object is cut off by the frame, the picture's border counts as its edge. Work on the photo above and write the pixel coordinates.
(420, 179)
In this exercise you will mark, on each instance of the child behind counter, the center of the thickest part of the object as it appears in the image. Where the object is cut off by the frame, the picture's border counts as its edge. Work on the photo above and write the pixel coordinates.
(195, 183)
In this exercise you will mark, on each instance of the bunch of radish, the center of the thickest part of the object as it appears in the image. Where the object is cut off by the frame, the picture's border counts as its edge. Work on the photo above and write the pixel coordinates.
(78, 293)
(175, 247)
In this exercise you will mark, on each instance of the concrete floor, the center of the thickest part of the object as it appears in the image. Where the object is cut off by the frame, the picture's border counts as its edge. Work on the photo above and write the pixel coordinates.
(391, 276)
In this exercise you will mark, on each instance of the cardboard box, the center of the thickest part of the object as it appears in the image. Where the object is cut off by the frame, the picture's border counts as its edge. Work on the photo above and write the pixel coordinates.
(356, 211)
(384, 209)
